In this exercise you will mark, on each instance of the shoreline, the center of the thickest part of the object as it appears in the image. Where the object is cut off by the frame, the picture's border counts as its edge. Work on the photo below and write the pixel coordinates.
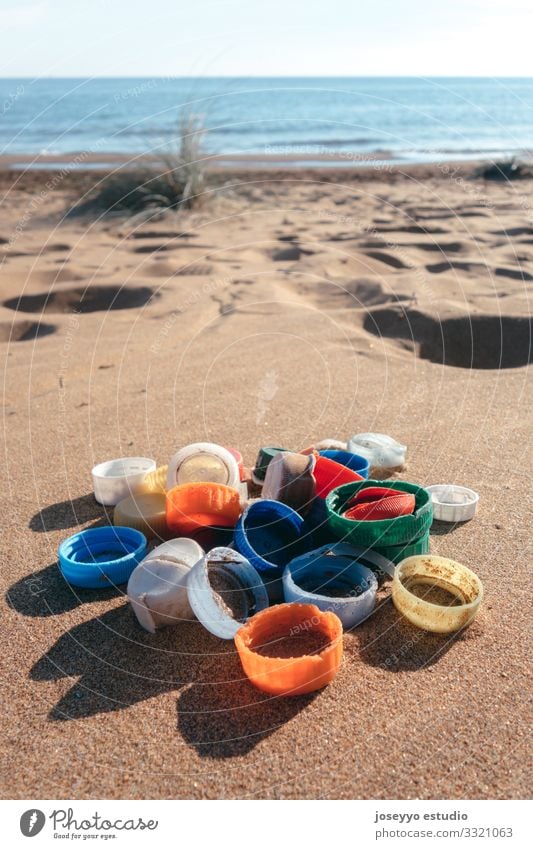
(56, 176)
(83, 160)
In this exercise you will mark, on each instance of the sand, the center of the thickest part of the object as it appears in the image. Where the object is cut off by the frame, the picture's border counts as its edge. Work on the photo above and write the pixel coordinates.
(294, 306)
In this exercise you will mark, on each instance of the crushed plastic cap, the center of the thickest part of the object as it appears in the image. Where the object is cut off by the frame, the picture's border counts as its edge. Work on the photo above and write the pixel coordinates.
(380, 450)
(289, 479)
(157, 588)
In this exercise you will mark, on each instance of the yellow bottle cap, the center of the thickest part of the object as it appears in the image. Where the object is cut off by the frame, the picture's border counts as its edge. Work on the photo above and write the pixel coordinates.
(436, 593)
(155, 481)
(145, 512)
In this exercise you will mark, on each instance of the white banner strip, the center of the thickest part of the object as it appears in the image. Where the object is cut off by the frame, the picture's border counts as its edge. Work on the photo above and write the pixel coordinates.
(229, 823)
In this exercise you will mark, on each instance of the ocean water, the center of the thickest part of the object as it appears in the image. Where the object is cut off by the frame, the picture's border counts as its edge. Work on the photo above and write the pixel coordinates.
(404, 119)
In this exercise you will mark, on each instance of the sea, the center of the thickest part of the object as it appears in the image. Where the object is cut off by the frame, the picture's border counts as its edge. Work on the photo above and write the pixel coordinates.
(342, 120)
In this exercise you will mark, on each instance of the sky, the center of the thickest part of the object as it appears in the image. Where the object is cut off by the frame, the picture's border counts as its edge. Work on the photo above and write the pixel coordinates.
(146, 38)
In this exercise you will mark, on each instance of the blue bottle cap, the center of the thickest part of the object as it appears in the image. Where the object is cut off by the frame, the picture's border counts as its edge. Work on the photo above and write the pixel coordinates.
(333, 578)
(101, 557)
(269, 534)
(352, 461)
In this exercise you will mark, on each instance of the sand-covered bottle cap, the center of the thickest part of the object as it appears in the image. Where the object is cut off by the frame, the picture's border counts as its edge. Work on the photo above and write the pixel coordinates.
(101, 557)
(435, 593)
(113, 480)
(332, 578)
(146, 512)
(452, 503)
(203, 462)
(381, 451)
(224, 590)
(290, 649)
(157, 588)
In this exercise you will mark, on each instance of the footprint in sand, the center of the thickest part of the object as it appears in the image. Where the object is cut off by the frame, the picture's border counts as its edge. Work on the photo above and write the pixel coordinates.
(445, 248)
(160, 234)
(289, 254)
(83, 300)
(59, 246)
(514, 273)
(514, 231)
(413, 228)
(24, 331)
(465, 341)
(455, 265)
(388, 259)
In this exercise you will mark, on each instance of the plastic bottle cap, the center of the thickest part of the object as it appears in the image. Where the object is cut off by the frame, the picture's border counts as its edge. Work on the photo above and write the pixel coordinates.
(203, 462)
(157, 588)
(116, 479)
(325, 445)
(155, 481)
(101, 557)
(240, 462)
(452, 503)
(381, 451)
(374, 503)
(347, 458)
(397, 553)
(289, 479)
(146, 512)
(191, 506)
(330, 444)
(435, 593)
(290, 649)
(268, 534)
(264, 457)
(332, 578)
(385, 532)
(329, 475)
(224, 589)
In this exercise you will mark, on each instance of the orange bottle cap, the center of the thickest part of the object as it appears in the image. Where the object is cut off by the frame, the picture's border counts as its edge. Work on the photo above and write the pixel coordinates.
(191, 506)
(290, 649)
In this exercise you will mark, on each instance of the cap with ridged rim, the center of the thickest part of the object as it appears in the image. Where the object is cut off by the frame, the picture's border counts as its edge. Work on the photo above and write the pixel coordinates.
(384, 532)
(146, 512)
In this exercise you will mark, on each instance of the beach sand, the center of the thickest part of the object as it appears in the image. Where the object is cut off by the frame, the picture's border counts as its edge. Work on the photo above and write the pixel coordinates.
(293, 306)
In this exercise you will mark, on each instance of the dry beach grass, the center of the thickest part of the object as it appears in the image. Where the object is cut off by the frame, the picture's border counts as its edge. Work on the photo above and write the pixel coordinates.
(291, 305)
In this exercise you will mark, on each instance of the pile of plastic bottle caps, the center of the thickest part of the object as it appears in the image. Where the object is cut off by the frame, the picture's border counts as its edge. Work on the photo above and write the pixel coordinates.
(281, 558)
